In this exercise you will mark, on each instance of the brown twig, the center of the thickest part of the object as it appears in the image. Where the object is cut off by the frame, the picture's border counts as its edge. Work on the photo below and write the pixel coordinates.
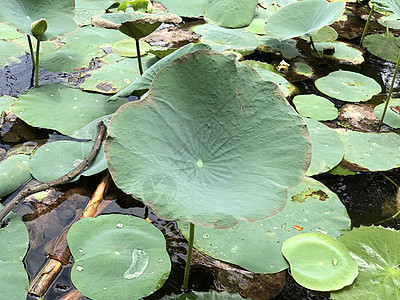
(63, 179)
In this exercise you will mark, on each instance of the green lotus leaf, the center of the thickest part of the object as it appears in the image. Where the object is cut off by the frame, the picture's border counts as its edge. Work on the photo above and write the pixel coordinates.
(14, 172)
(257, 25)
(371, 151)
(341, 171)
(344, 53)
(14, 240)
(53, 160)
(312, 207)
(143, 82)
(117, 75)
(127, 48)
(281, 3)
(311, 15)
(211, 295)
(392, 6)
(303, 69)
(9, 53)
(70, 58)
(222, 145)
(376, 251)
(319, 262)
(161, 52)
(392, 117)
(89, 131)
(117, 256)
(348, 86)
(269, 74)
(59, 107)
(185, 8)
(327, 147)
(286, 48)
(230, 13)
(235, 39)
(390, 22)
(325, 34)
(9, 32)
(6, 103)
(315, 107)
(58, 14)
(86, 9)
(386, 47)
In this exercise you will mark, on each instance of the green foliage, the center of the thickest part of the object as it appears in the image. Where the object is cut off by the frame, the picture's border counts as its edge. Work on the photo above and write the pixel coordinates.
(9, 53)
(127, 48)
(185, 8)
(286, 48)
(315, 107)
(14, 172)
(211, 295)
(86, 9)
(386, 47)
(392, 117)
(344, 53)
(392, 6)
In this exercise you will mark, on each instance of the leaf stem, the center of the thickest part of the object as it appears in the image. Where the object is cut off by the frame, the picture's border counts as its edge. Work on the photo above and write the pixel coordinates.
(37, 61)
(138, 56)
(367, 24)
(189, 257)
(31, 49)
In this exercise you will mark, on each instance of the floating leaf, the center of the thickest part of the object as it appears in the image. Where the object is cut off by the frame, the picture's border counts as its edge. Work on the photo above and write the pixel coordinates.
(6, 103)
(376, 251)
(257, 25)
(89, 131)
(386, 47)
(230, 13)
(181, 153)
(127, 48)
(59, 107)
(311, 16)
(348, 86)
(315, 107)
(392, 6)
(303, 69)
(319, 262)
(86, 9)
(325, 34)
(93, 35)
(14, 172)
(312, 207)
(286, 48)
(211, 295)
(9, 53)
(344, 53)
(185, 8)
(117, 255)
(14, 240)
(9, 32)
(392, 116)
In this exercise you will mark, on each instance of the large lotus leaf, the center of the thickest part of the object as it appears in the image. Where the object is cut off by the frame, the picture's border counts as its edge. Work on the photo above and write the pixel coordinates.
(86, 9)
(392, 116)
(287, 48)
(376, 251)
(127, 48)
(386, 47)
(14, 241)
(392, 6)
(70, 58)
(312, 208)
(319, 262)
(117, 257)
(9, 32)
(233, 142)
(95, 36)
(230, 13)
(53, 160)
(235, 39)
(348, 86)
(59, 107)
(344, 53)
(257, 25)
(371, 151)
(6, 103)
(143, 82)
(185, 8)
(311, 15)
(211, 295)
(327, 147)
(266, 3)
(315, 107)
(58, 14)
(9, 53)
(14, 172)
(117, 75)
(265, 72)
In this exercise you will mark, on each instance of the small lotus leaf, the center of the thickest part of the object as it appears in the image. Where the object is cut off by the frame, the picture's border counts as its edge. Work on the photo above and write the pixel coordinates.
(392, 6)
(325, 34)
(14, 241)
(117, 256)
(257, 25)
(311, 16)
(185, 8)
(161, 52)
(312, 208)
(9, 32)
(9, 53)
(315, 107)
(14, 172)
(58, 14)
(348, 86)
(127, 48)
(376, 251)
(319, 262)
(389, 22)
(212, 149)
(89, 131)
(386, 47)
(230, 13)
(303, 69)
(286, 48)
(392, 116)
(62, 108)
(211, 295)
(281, 3)
(327, 147)
(371, 151)
(53, 160)
(344, 53)
(86, 9)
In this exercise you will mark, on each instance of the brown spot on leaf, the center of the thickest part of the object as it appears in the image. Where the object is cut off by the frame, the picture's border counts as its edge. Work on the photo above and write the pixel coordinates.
(316, 194)
(396, 109)
(107, 87)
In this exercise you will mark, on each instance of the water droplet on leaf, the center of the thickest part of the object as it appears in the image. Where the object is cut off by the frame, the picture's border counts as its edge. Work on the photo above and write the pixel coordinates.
(119, 225)
(334, 261)
(79, 268)
(206, 236)
(140, 259)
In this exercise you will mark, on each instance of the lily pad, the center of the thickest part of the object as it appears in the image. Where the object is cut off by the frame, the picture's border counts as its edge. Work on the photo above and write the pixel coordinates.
(315, 107)
(14, 240)
(392, 6)
(86, 9)
(117, 255)
(9, 53)
(211, 295)
(311, 16)
(319, 262)
(371, 151)
(14, 172)
(348, 86)
(95, 36)
(6, 103)
(230, 13)
(312, 207)
(392, 116)
(127, 48)
(386, 47)
(327, 147)
(58, 14)
(286, 48)
(59, 107)
(185, 8)
(376, 251)
(325, 34)
(303, 69)
(9, 32)
(89, 131)
(257, 25)
(190, 149)
(344, 53)
(53, 160)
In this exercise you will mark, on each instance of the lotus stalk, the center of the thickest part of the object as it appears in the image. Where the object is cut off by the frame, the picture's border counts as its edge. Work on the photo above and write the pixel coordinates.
(189, 257)
(38, 28)
(367, 24)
